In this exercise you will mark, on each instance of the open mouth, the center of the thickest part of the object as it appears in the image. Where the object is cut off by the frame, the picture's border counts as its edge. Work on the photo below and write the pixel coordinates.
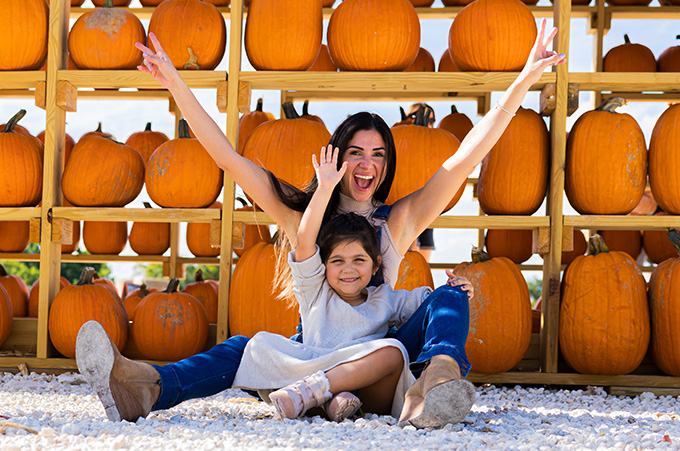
(363, 182)
(350, 280)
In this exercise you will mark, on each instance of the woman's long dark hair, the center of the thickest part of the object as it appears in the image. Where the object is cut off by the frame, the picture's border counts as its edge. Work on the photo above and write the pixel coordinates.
(297, 199)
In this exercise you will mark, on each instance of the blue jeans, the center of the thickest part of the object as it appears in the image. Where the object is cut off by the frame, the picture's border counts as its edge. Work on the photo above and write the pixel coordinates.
(439, 326)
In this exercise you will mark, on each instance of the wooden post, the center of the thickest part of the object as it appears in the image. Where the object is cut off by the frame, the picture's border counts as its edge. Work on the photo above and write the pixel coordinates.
(599, 27)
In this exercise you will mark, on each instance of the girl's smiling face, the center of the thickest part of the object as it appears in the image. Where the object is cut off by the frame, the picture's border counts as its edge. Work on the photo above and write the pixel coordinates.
(365, 156)
(349, 269)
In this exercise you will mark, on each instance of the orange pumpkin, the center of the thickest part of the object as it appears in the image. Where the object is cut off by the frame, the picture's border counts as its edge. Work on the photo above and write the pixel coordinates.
(628, 241)
(23, 32)
(102, 173)
(629, 57)
(96, 133)
(656, 244)
(389, 41)
(424, 62)
(21, 166)
(249, 122)
(17, 291)
(14, 236)
(77, 304)
(252, 233)
(182, 174)
(500, 313)
(310, 117)
(69, 142)
(669, 60)
(446, 63)
(170, 325)
(420, 153)
(323, 62)
(664, 160)
(606, 161)
(298, 27)
(203, 38)
(478, 38)
(150, 238)
(664, 304)
(514, 175)
(6, 315)
(198, 237)
(133, 299)
(101, 237)
(147, 141)
(207, 292)
(104, 38)
(604, 317)
(34, 295)
(285, 146)
(108, 284)
(512, 244)
(457, 123)
(414, 272)
(253, 302)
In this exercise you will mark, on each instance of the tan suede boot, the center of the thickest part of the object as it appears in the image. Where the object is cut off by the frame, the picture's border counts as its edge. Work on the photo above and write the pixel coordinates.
(127, 389)
(439, 396)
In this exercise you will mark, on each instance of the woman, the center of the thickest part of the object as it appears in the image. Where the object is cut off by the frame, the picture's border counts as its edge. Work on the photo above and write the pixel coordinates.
(434, 336)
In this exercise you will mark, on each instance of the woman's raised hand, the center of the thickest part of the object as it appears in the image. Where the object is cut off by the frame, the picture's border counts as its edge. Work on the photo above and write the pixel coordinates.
(540, 57)
(462, 282)
(327, 173)
(157, 63)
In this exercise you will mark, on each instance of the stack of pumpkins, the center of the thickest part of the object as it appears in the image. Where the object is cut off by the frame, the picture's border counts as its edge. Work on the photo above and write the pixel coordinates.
(630, 57)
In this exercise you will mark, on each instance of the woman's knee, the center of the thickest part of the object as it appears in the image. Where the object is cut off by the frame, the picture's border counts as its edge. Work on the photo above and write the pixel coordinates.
(391, 358)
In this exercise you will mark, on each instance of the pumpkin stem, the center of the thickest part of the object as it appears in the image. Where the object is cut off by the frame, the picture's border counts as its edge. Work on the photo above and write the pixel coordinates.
(243, 202)
(403, 113)
(99, 128)
(423, 116)
(183, 129)
(259, 104)
(147, 205)
(289, 111)
(673, 235)
(596, 245)
(9, 127)
(3, 272)
(454, 110)
(143, 291)
(86, 276)
(108, 4)
(148, 127)
(172, 286)
(305, 108)
(626, 39)
(199, 276)
(611, 104)
(479, 256)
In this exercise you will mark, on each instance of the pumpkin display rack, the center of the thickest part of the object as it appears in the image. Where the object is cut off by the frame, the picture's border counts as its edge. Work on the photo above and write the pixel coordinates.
(57, 90)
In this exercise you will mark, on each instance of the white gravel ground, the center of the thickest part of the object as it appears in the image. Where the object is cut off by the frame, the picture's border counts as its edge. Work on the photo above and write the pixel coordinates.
(63, 413)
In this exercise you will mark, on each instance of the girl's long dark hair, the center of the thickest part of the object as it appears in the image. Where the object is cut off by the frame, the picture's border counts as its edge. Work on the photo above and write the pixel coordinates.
(297, 199)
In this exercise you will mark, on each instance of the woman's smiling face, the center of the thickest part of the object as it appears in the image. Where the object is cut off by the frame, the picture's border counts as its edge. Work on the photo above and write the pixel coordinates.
(365, 156)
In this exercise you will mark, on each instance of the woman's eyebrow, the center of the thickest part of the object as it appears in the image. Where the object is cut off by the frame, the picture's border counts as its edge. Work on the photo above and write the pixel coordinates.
(361, 148)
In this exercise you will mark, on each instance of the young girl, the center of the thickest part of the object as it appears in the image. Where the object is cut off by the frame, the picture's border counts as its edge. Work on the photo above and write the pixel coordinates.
(345, 321)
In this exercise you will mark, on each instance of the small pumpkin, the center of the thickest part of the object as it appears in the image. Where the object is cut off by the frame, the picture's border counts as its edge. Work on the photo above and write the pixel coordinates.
(34, 295)
(76, 304)
(17, 291)
(629, 57)
(150, 238)
(147, 141)
(249, 122)
(133, 299)
(513, 244)
(97, 132)
(69, 142)
(457, 123)
(414, 272)
(323, 62)
(207, 292)
(424, 62)
(14, 236)
(170, 325)
(628, 241)
(446, 63)
(310, 117)
(656, 244)
(21, 166)
(669, 60)
(23, 32)
(198, 237)
(101, 237)
(108, 284)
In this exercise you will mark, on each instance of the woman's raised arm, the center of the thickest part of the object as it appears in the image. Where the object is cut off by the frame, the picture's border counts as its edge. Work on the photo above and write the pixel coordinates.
(249, 176)
(415, 212)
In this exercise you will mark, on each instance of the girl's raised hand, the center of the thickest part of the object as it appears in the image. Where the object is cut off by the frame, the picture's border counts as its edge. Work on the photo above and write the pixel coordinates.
(540, 57)
(327, 173)
(157, 63)
(462, 282)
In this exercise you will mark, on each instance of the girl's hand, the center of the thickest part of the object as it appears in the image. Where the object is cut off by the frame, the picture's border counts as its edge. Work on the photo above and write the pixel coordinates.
(462, 282)
(540, 57)
(157, 63)
(326, 170)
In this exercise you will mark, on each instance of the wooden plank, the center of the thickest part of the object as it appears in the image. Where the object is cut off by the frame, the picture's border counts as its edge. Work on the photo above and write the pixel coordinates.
(627, 81)
(12, 80)
(62, 231)
(19, 257)
(196, 79)
(19, 213)
(351, 96)
(611, 222)
(172, 215)
(23, 337)
(645, 12)
(635, 391)
(197, 260)
(105, 258)
(386, 82)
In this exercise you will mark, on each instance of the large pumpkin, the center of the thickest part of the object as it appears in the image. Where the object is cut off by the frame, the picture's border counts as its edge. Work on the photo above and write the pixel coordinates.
(105, 38)
(182, 174)
(203, 37)
(23, 32)
(207, 292)
(457, 123)
(414, 272)
(629, 57)
(21, 166)
(664, 304)
(77, 304)
(604, 317)
(198, 237)
(388, 41)
(145, 142)
(249, 122)
(500, 313)
(514, 175)
(253, 302)
(664, 160)
(17, 291)
(150, 238)
(283, 34)
(102, 173)
(34, 295)
(285, 146)
(420, 153)
(513, 244)
(479, 38)
(14, 236)
(170, 325)
(6, 315)
(606, 161)
(101, 237)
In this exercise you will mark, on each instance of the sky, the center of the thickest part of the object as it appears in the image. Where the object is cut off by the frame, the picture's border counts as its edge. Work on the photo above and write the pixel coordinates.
(124, 117)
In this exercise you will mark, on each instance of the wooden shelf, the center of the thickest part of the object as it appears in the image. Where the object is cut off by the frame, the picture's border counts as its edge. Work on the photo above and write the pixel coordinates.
(622, 222)
(11, 80)
(627, 81)
(172, 215)
(19, 213)
(114, 79)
